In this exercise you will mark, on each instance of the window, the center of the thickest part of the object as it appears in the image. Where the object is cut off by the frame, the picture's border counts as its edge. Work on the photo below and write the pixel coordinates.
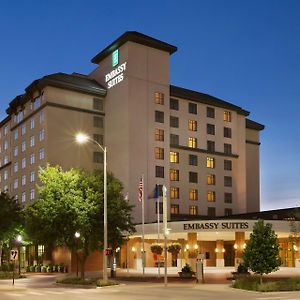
(210, 129)
(98, 122)
(98, 157)
(211, 196)
(174, 157)
(174, 209)
(227, 132)
(32, 142)
(159, 116)
(193, 177)
(210, 146)
(192, 142)
(42, 153)
(24, 180)
(174, 192)
(5, 175)
(227, 165)
(36, 103)
(211, 179)
(31, 123)
(211, 211)
(210, 162)
(193, 194)
(23, 146)
(32, 158)
(32, 176)
(5, 161)
(227, 149)
(158, 190)
(227, 181)
(16, 134)
(193, 210)
(159, 153)
(5, 146)
(174, 104)
(159, 171)
(42, 134)
(159, 135)
(192, 125)
(174, 122)
(32, 194)
(210, 112)
(16, 151)
(23, 129)
(227, 116)
(159, 98)
(98, 138)
(97, 104)
(160, 208)
(174, 139)
(193, 160)
(174, 175)
(228, 197)
(228, 212)
(23, 163)
(16, 183)
(41, 116)
(193, 108)
(16, 167)
(5, 130)
(23, 197)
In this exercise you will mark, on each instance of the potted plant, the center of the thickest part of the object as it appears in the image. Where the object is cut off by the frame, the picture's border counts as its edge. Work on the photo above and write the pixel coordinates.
(156, 249)
(186, 272)
(174, 249)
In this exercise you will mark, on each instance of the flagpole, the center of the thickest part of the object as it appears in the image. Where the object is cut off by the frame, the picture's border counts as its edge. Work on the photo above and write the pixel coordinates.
(158, 229)
(143, 229)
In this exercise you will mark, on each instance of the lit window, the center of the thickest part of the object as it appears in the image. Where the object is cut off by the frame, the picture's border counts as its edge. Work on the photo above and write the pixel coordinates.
(31, 123)
(16, 134)
(159, 98)
(32, 141)
(23, 197)
(192, 125)
(5, 161)
(193, 210)
(23, 146)
(174, 209)
(32, 194)
(5, 175)
(32, 176)
(159, 135)
(159, 153)
(42, 134)
(23, 129)
(211, 196)
(42, 153)
(211, 179)
(16, 167)
(36, 103)
(227, 116)
(32, 158)
(5, 145)
(23, 163)
(5, 130)
(24, 180)
(193, 194)
(192, 142)
(16, 183)
(174, 157)
(174, 175)
(210, 162)
(159, 171)
(16, 151)
(174, 193)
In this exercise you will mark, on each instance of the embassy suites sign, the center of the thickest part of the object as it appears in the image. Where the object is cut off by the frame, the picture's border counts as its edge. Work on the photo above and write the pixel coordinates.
(216, 226)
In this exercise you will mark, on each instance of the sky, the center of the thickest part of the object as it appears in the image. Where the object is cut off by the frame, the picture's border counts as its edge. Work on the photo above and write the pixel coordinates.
(245, 52)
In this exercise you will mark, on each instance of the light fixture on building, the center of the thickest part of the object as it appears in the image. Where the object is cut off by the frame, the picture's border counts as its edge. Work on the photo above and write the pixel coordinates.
(223, 250)
(187, 247)
(235, 246)
(244, 246)
(195, 246)
(133, 249)
(295, 248)
(118, 249)
(216, 250)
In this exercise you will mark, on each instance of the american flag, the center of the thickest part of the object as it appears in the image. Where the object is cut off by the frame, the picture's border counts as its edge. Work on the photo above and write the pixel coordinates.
(141, 189)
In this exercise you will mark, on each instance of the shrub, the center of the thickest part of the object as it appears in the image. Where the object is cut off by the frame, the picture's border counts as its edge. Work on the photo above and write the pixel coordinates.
(187, 269)
(28, 269)
(37, 268)
(242, 269)
(44, 269)
(31, 269)
(156, 248)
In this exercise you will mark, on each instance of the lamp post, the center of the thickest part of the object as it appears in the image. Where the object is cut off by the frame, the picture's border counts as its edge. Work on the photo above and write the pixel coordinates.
(81, 139)
(77, 236)
(19, 240)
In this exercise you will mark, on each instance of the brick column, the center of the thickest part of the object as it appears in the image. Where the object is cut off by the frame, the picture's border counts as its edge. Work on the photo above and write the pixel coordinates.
(220, 253)
(239, 247)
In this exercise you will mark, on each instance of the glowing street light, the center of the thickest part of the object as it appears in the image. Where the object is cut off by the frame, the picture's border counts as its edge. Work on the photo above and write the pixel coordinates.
(82, 138)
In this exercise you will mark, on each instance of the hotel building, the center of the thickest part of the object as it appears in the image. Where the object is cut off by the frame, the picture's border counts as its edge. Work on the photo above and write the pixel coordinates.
(203, 149)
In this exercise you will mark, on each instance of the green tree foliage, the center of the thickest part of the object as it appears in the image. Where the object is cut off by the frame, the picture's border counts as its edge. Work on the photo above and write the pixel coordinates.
(72, 201)
(262, 251)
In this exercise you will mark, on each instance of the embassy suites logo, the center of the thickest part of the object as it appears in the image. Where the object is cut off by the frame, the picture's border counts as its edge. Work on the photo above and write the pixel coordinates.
(216, 226)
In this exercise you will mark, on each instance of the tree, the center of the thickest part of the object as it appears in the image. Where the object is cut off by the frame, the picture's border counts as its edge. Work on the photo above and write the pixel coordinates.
(261, 254)
(72, 201)
(10, 218)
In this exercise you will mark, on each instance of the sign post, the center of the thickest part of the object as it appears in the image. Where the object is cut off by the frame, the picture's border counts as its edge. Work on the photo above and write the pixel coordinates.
(14, 254)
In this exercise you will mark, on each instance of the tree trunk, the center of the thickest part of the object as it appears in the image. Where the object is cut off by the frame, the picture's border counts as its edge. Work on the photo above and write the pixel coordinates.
(1, 247)
(260, 279)
(82, 269)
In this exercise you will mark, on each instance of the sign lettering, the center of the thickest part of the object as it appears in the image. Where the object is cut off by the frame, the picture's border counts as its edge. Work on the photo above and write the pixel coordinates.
(216, 226)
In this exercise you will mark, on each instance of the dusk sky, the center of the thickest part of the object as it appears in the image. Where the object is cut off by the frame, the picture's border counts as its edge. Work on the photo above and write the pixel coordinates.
(244, 52)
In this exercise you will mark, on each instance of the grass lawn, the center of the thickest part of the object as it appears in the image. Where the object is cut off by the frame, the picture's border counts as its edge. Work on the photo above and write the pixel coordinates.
(252, 283)
(88, 282)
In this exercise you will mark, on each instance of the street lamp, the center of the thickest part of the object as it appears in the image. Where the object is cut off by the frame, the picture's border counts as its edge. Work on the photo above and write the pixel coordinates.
(82, 138)
(19, 240)
(77, 236)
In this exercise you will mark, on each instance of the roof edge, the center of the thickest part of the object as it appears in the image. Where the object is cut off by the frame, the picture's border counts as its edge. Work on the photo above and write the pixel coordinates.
(254, 125)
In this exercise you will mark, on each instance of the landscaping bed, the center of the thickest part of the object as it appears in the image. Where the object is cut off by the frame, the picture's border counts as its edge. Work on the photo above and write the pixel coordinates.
(90, 282)
(9, 275)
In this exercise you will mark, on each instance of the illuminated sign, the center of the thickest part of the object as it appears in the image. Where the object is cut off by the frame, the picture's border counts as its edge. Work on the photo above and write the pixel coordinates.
(115, 76)
(115, 58)
(216, 225)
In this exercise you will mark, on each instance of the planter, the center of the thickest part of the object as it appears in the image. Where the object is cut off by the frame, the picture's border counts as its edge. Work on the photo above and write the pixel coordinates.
(186, 275)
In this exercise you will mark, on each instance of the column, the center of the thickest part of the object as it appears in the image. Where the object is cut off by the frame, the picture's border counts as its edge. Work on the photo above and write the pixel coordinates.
(239, 247)
(193, 249)
(220, 253)
(297, 255)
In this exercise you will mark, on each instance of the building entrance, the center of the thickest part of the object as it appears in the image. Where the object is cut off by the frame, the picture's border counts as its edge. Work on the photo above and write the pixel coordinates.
(228, 255)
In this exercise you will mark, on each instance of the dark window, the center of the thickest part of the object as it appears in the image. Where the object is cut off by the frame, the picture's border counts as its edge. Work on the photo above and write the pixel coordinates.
(160, 208)
(193, 177)
(227, 132)
(159, 116)
(210, 146)
(228, 211)
(228, 197)
(98, 157)
(210, 129)
(227, 165)
(211, 211)
(97, 104)
(174, 209)
(98, 122)
(174, 104)
(98, 138)
(227, 181)
(174, 139)
(159, 171)
(210, 112)
(174, 122)
(158, 190)
(193, 160)
(193, 108)
(227, 149)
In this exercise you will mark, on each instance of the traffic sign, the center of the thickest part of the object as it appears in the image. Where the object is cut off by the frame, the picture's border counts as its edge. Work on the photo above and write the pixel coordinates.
(14, 254)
